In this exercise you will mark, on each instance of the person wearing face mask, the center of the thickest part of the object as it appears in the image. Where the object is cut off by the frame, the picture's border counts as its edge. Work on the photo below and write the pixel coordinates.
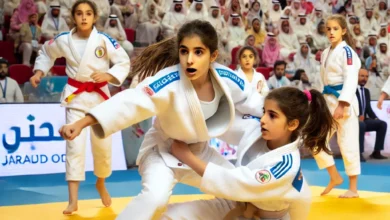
(278, 79)
(9, 88)
(53, 23)
(174, 18)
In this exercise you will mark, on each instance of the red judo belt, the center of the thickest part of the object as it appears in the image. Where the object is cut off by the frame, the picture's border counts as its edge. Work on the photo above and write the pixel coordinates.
(86, 87)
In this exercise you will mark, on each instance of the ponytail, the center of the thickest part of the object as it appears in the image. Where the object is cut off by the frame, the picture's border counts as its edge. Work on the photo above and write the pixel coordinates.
(310, 109)
(319, 125)
(155, 58)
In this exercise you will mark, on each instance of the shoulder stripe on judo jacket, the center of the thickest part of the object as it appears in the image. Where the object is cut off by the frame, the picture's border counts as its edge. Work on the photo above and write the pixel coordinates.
(114, 43)
(282, 167)
(232, 76)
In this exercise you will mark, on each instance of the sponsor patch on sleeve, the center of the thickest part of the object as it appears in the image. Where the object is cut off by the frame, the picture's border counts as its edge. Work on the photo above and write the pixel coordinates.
(232, 76)
(159, 84)
(349, 55)
(263, 176)
(114, 43)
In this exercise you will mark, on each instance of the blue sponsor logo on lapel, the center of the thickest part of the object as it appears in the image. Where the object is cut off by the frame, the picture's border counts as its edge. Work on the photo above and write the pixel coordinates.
(232, 76)
(112, 40)
(298, 180)
(164, 81)
(281, 168)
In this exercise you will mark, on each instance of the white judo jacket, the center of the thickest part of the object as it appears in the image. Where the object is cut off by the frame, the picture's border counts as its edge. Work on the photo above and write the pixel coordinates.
(101, 49)
(341, 66)
(270, 180)
(170, 96)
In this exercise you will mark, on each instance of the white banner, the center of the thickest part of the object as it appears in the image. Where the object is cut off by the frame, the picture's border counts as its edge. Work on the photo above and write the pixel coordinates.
(30, 142)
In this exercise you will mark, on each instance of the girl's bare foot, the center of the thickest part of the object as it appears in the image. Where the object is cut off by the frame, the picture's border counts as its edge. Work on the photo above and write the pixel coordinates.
(349, 194)
(333, 183)
(104, 195)
(72, 207)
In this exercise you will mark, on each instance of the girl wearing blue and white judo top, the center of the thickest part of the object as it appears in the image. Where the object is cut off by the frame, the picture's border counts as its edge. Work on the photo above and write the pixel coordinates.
(193, 101)
(339, 73)
(268, 173)
(93, 60)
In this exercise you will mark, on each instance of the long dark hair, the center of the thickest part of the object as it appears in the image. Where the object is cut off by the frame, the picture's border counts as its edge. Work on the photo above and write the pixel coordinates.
(315, 119)
(166, 53)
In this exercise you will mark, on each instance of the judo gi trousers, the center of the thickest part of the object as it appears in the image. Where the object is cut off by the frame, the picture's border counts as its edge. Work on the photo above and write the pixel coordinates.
(75, 151)
(158, 181)
(348, 141)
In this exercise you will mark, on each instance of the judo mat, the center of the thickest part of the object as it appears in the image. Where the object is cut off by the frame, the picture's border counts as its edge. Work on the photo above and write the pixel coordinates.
(45, 196)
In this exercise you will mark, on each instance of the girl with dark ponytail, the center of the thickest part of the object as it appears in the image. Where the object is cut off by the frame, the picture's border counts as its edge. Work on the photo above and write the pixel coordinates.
(193, 99)
(268, 166)
(339, 73)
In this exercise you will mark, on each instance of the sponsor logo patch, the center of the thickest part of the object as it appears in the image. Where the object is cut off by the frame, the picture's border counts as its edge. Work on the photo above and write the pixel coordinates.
(148, 90)
(263, 176)
(100, 52)
(164, 81)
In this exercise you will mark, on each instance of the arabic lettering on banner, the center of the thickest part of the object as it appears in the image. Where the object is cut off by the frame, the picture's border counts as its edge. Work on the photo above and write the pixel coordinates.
(31, 144)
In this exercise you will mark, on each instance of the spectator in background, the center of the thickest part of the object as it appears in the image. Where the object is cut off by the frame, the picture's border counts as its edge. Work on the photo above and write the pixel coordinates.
(257, 31)
(20, 16)
(53, 23)
(30, 33)
(271, 51)
(9, 88)
(278, 79)
(114, 28)
(10, 6)
(300, 80)
(175, 18)
(368, 121)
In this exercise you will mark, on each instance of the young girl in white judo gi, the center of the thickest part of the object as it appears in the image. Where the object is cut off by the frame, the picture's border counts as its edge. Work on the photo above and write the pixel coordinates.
(339, 74)
(247, 57)
(88, 56)
(193, 99)
(268, 170)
